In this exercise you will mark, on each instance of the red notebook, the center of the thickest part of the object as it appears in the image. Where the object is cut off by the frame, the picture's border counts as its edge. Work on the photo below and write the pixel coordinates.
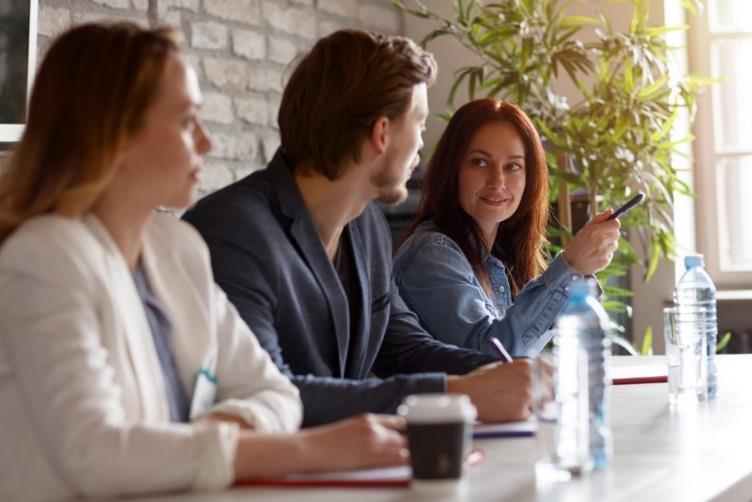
(639, 373)
(388, 477)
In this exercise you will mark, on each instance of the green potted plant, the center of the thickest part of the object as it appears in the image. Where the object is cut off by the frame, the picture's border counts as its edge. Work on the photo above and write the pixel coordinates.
(615, 139)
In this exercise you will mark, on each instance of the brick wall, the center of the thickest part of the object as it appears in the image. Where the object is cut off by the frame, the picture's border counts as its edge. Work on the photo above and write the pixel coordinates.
(241, 49)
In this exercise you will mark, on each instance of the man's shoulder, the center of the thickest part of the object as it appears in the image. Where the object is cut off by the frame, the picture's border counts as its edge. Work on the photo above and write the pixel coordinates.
(247, 200)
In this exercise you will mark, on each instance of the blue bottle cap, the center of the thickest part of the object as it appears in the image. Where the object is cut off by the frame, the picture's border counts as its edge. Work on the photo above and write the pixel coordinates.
(579, 288)
(693, 260)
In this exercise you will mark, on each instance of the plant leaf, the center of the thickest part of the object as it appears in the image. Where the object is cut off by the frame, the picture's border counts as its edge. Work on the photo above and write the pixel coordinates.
(655, 255)
(647, 342)
(723, 342)
(625, 344)
(616, 291)
(650, 91)
(550, 135)
(578, 21)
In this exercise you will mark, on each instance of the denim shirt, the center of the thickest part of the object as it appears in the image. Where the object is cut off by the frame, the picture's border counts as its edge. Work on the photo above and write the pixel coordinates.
(437, 282)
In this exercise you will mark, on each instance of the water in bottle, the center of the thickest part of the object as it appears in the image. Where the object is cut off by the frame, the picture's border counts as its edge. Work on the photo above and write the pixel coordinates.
(584, 324)
(694, 300)
(562, 410)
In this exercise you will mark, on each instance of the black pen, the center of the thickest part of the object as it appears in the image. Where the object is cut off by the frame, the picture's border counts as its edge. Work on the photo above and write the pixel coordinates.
(629, 205)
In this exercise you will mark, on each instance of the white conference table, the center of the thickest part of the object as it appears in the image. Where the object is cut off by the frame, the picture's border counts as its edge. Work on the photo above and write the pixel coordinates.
(660, 454)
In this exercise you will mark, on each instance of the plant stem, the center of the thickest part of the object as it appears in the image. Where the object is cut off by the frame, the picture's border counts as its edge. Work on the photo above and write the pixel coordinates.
(593, 195)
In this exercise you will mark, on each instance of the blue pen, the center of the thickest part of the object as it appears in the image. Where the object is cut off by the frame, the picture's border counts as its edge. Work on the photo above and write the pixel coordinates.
(500, 350)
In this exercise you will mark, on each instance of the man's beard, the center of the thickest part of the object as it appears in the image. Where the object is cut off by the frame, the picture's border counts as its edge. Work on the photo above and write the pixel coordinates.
(392, 189)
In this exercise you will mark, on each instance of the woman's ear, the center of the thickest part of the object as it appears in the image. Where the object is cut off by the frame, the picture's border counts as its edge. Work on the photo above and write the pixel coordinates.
(120, 157)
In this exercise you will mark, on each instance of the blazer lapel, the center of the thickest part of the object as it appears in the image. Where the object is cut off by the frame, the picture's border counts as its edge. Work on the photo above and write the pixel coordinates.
(137, 333)
(183, 305)
(359, 348)
(308, 242)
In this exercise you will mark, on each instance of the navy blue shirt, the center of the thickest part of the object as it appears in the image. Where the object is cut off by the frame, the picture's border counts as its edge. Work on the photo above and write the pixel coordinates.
(161, 330)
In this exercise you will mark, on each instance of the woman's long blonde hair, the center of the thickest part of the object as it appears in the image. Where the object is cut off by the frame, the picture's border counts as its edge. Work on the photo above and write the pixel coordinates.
(90, 95)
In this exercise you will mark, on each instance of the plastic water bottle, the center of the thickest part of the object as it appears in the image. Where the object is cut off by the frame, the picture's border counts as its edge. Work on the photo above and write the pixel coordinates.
(694, 299)
(582, 329)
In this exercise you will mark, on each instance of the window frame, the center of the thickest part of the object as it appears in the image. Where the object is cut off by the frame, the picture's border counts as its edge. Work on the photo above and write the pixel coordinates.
(708, 155)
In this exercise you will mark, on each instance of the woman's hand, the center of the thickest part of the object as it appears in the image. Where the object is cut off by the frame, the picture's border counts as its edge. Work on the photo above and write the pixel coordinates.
(367, 440)
(360, 442)
(592, 249)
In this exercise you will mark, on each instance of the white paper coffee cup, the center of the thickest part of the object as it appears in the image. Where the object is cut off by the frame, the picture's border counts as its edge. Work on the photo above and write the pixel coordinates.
(439, 434)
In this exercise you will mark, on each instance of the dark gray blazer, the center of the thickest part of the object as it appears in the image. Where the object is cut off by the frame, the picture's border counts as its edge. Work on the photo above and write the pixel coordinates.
(269, 259)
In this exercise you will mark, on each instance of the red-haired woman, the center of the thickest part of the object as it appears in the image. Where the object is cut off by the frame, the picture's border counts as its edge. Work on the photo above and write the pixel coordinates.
(472, 266)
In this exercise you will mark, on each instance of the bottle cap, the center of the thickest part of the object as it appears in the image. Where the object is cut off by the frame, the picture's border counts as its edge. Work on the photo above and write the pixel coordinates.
(580, 288)
(693, 260)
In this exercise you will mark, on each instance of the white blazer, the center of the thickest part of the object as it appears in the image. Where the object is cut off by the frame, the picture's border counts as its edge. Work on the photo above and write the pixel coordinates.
(82, 405)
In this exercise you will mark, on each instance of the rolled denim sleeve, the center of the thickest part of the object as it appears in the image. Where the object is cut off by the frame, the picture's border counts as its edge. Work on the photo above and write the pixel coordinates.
(438, 283)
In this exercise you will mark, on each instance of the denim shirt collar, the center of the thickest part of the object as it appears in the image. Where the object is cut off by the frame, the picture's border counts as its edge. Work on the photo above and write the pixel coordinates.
(501, 297)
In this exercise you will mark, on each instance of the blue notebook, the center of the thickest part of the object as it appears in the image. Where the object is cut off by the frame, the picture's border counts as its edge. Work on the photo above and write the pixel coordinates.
(523, 428)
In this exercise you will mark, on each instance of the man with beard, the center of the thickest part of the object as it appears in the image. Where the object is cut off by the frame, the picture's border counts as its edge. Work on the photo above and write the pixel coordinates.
(305, 255)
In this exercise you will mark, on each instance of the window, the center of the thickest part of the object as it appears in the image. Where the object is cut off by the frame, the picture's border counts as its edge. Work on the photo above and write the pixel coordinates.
(18, 37)
(721, 46)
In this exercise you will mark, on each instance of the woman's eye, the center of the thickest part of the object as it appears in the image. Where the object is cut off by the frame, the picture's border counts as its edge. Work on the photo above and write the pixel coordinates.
(515, 167)
(479, 162)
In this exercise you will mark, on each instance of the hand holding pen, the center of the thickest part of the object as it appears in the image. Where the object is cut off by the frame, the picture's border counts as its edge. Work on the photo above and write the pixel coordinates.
(627, 206)
(592, 248)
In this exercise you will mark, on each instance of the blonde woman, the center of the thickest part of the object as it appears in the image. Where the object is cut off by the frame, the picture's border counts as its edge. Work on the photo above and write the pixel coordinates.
(123, 367)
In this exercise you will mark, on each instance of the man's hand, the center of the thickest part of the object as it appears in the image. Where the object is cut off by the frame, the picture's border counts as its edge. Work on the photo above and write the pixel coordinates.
(500, 392)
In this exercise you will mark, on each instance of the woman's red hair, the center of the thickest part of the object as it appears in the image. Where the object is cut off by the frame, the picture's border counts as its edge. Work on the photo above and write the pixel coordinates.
(520, 239)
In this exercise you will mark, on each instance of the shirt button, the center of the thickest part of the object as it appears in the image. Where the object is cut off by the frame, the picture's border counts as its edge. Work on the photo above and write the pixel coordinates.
(576, 277)
(501, 289)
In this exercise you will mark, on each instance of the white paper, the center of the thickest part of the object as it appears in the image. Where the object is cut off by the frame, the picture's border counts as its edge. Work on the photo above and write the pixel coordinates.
(639, 371)
(523, 426)
(401, 473)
